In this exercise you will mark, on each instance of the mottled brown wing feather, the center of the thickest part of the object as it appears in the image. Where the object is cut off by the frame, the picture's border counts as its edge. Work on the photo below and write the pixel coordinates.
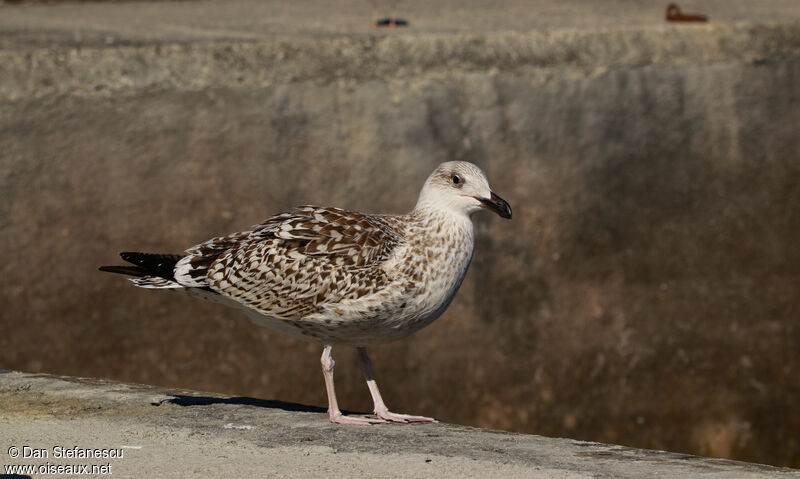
(293, 263)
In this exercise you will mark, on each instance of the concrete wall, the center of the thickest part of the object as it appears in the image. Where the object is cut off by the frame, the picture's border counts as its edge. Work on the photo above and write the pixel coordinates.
(645, 293)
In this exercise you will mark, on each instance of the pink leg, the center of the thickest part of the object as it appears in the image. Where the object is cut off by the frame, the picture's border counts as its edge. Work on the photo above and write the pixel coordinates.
(334, 413)
(380, 408)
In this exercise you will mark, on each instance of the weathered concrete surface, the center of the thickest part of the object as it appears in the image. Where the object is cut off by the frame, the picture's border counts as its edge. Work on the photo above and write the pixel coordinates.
(99, 65)
(97, 23)
(172, 433)
(645, 293)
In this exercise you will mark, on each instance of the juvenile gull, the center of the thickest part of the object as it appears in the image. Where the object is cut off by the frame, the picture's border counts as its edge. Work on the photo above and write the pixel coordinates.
(339, 277)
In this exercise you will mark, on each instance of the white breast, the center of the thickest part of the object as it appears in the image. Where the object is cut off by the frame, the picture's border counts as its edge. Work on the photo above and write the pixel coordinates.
(441, 255)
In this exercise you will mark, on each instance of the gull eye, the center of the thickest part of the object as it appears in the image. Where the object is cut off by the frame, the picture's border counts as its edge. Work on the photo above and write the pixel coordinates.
(457, 180)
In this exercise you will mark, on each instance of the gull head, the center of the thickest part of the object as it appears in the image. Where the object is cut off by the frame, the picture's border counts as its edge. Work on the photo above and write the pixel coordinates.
(461, 188)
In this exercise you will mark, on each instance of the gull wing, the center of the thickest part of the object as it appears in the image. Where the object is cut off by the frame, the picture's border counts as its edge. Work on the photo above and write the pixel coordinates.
(293, 263)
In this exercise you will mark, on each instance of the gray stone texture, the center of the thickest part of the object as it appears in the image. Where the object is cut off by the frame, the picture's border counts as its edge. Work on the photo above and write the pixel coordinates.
(171, 433)
(645, 293)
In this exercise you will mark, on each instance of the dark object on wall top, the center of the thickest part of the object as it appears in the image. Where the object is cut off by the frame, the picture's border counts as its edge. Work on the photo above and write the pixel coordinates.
(674, 14)
(390, 22)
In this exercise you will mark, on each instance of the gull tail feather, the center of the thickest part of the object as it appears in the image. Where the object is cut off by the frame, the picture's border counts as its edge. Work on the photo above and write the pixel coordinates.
(152, 270)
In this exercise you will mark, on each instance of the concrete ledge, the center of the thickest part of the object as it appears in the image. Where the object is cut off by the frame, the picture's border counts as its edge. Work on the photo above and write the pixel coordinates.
(175, 433)
(105, 70)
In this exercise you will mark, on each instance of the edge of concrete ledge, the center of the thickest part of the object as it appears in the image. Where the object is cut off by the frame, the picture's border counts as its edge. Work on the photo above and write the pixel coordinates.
(106, 70)
(174, 430)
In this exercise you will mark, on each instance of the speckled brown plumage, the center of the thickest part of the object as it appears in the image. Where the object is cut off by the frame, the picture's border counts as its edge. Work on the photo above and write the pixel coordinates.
(340, 277)
(295, 263)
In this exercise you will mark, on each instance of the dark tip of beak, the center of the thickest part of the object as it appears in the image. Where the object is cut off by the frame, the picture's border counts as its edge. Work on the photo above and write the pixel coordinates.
(498, 205)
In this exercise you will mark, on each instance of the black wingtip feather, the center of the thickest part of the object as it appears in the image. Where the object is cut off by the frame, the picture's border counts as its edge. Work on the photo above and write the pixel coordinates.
(147, 264)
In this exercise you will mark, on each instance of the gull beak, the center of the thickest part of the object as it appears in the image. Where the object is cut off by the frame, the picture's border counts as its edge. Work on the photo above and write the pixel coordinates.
(497, 204)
